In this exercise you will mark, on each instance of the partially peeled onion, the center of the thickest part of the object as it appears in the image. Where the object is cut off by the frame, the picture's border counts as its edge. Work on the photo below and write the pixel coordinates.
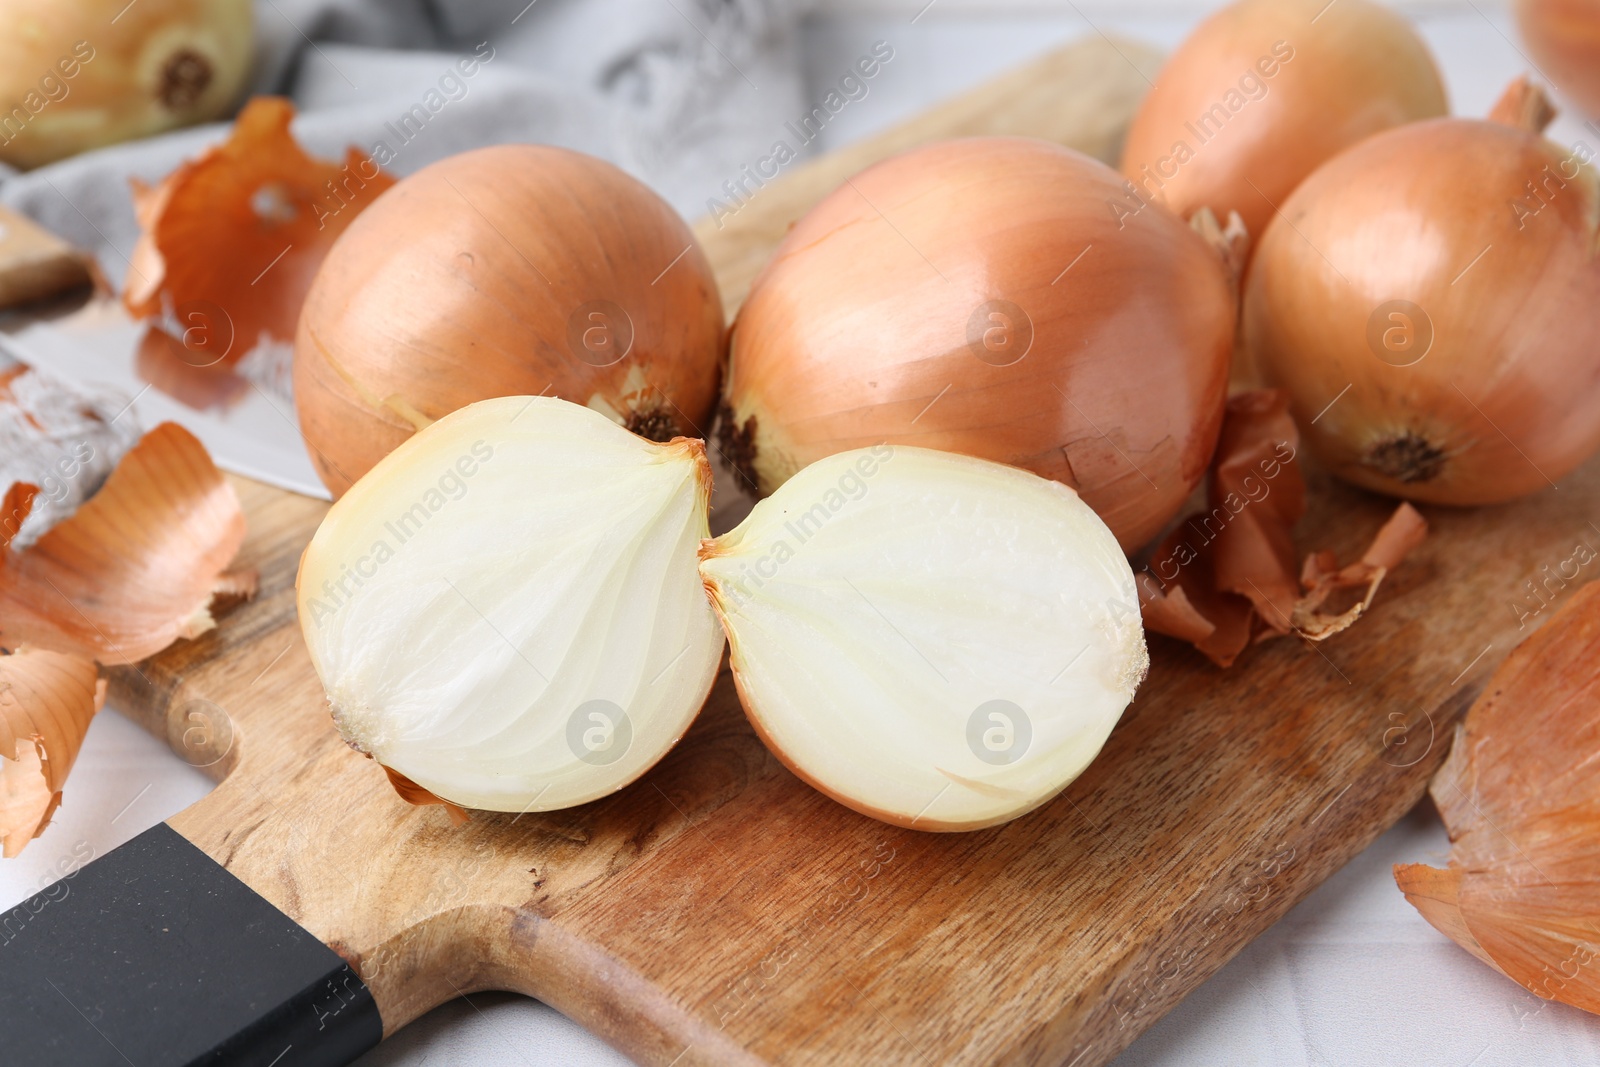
(985, 296)
(506, 610)
(508, 613)
(1431, 299)
(80, 75)
(939, 642)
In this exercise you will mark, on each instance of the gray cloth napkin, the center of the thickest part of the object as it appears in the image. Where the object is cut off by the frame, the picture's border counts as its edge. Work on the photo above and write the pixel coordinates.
(679, 93)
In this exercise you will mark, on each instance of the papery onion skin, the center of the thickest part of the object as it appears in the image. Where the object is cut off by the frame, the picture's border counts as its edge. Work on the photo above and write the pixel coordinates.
(137, 566)
(866, 326)
(47, 701)
(229, 270)
(1564, 37)
(481, 276)
(137, 69)
(1520, 796)
(1341, 72)
(1423, 223)
(885, 603)
(520, 563)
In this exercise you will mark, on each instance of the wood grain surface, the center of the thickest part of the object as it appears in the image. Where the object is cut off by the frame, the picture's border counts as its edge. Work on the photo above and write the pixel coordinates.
(718, 911)
(35, 264)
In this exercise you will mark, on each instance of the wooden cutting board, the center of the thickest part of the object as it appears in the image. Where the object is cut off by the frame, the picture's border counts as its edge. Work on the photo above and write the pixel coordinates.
(718, 911)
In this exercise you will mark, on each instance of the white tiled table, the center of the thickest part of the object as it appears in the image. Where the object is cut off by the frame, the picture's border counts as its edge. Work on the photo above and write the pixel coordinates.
(1352, 976)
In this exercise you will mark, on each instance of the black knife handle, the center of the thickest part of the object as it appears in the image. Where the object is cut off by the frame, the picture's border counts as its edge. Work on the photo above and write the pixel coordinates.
(155, 956)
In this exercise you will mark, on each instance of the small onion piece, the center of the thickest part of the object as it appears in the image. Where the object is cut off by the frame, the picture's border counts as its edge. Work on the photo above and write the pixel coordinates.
(1430, 299)
(940, 642)
(1264, 91)
(97, 72)
(1000, 297)
(514, 269)
(1564, 36)
(506, 609)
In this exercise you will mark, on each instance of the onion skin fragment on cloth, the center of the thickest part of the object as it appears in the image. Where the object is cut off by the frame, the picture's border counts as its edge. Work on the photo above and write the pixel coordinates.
(92, 73)
(46, 703)
(64, 437)
(982, 296)
(231, 239)
(1520, 795)
(1263, 92)
(136, 567)
(935, 641)
(1226, 577)
(505, 612)
(1430, 299)
(509, 270)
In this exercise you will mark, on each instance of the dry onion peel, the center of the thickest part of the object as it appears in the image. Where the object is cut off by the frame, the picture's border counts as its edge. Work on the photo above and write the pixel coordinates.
(127, 571)
(1225, 577)
(46, 703)
(412, 793)
(940, 642)
(1211, 581)
(1429, 299)
(980, 296)
(230, 240)
(505, 611)
(1321, 576)
(1520, 795)
(1263, 92)
(515, 269)
(136, 566)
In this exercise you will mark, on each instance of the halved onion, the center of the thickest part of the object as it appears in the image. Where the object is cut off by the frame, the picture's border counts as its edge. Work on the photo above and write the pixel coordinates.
(940, 642)
(506, 609)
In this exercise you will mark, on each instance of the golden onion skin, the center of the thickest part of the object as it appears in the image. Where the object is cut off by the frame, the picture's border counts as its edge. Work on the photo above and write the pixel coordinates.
(1438, 343)
(478, 277)
(873, 322)
(1564, 36)
(1359, 68)
(137, 70)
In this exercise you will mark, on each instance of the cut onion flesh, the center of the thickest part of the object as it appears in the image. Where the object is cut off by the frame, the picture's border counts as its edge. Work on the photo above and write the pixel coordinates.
(940, 642)
(507, 612)
(506, 609)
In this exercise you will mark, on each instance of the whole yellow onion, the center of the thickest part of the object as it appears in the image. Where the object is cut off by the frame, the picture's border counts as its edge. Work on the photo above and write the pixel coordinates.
(1264, 91)
(508, 270)
(1564, 36)
(983, 296)
(1431, 300)
(82, 75)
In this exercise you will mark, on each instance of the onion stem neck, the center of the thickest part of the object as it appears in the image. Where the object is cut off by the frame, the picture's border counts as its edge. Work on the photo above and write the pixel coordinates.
(1231, 242)
(1524, 106)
